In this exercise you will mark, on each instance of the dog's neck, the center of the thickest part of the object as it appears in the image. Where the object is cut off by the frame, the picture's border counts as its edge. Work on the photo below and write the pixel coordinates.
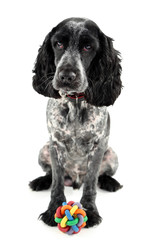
(74, 97)
(77, 96)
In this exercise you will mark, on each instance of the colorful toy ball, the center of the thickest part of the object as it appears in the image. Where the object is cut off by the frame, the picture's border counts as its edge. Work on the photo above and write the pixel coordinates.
(70, 217)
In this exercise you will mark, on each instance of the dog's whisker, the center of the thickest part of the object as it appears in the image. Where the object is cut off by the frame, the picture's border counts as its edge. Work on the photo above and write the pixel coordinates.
(49, 83)
(48, 77)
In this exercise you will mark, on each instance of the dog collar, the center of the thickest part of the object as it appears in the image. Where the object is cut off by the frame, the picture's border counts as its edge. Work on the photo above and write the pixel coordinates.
(79, 96)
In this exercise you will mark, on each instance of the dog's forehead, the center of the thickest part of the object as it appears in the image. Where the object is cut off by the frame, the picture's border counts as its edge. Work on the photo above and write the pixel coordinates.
(82, 26)
(75, 28)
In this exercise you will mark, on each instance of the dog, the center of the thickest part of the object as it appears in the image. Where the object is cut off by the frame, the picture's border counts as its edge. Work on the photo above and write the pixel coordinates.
(79, 70)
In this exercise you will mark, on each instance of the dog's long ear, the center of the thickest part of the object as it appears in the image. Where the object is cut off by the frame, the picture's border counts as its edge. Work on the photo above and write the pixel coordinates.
(104, 74)
(44, 69)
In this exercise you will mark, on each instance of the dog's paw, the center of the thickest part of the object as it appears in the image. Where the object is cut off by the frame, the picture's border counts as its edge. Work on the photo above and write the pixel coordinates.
(108, 183)
(48, 217)
(93, 218)
(41, 183)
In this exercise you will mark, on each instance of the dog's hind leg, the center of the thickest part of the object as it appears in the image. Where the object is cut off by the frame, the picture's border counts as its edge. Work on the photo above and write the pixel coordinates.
(41, 183)
(107, 170)
(44, 182)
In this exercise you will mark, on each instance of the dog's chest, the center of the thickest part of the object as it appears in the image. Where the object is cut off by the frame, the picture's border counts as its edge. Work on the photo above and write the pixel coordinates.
(76, 129)
(76, 126)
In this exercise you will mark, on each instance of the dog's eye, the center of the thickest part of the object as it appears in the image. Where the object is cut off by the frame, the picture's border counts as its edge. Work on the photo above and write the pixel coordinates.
(87, 48)
(60, 45)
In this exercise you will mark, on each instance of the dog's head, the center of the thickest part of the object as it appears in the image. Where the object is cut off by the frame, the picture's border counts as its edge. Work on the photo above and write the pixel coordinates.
(76, 57)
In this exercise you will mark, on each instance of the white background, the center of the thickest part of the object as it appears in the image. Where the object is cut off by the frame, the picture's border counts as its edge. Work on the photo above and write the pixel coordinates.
(127, 214)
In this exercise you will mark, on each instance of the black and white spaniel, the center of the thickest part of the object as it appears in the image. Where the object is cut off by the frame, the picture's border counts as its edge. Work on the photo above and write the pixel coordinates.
(79, 70)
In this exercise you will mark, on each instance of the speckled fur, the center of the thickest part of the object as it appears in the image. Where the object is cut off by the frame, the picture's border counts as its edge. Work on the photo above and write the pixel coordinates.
(78, 134)
(77, 57)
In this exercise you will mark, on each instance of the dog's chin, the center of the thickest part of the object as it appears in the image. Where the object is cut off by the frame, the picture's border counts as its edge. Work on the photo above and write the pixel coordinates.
(64, 92)
(69, 91)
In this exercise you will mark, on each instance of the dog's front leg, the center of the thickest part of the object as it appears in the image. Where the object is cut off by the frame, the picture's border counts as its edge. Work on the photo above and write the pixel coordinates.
(57, 189)
(90, 185)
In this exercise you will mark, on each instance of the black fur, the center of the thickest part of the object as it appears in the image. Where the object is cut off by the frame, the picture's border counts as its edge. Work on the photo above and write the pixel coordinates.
(41, 183)
(108, 183)
(103, 73)
(45, 69)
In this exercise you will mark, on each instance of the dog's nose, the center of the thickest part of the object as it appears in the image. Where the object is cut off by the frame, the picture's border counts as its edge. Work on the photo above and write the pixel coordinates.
(67, 76)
